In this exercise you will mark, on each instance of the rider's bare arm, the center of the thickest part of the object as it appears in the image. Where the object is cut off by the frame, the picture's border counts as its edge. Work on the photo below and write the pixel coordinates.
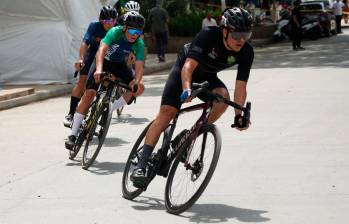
(187, 72)
(82, 53)
(139, 70)
(103, 48)
(240, 94)
(83, 50)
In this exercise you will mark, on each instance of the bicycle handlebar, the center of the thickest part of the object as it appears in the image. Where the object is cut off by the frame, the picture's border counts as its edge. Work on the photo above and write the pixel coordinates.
(202, 88)
(76, 74)
(118, 82)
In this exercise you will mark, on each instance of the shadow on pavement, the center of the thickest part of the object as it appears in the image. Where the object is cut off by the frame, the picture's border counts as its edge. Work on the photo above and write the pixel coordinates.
(101, 168)
(113, 142)
(215, 213)
(106, 168)
(206, 213)
(127, 118)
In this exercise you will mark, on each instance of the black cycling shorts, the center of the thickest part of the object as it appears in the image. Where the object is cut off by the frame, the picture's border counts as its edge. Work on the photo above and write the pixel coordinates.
(173, 88)
(119, 69)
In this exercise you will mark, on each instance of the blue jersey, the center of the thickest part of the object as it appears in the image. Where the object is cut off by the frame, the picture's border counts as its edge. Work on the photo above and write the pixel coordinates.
(93, 36)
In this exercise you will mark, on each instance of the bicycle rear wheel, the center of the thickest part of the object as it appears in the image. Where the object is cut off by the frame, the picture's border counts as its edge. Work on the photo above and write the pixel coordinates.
(96, 135)
(128, 190)
(186, 181)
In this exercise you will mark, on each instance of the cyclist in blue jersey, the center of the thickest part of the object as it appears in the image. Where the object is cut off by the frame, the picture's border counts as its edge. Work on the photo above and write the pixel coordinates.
(89, 46)
(212, 50)
(113, 52)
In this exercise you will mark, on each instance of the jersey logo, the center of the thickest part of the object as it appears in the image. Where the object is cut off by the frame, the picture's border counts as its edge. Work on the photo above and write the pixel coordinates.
(111, 50)
(98, 39)
(231, 60)
(213, 54)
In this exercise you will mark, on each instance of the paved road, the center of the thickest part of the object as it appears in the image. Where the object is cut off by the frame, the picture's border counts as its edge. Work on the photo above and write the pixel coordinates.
(291, 166)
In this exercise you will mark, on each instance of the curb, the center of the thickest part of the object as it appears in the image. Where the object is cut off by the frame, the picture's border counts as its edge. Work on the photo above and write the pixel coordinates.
(66, 89)
(39, 95)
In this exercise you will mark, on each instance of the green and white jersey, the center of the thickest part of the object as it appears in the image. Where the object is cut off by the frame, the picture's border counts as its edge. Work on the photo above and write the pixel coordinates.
(120, 48)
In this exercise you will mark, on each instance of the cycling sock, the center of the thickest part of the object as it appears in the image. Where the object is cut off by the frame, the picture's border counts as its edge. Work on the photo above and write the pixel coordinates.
(74, 101)
(77, 120)
(146, 153)
(119, 103)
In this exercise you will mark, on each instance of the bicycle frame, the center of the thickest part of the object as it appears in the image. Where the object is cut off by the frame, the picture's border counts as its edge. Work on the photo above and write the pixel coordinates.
(166, 160)
(108, 93)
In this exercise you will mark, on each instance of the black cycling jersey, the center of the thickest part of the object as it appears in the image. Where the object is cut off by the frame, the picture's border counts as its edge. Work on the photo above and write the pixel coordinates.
(208, 49)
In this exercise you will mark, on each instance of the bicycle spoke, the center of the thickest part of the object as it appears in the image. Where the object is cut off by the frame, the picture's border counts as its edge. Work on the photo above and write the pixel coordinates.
(185, 182)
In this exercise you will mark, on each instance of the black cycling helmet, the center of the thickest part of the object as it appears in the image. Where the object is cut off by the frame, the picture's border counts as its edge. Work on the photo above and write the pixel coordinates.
(237, 19)
(134, 19)
(108, 12)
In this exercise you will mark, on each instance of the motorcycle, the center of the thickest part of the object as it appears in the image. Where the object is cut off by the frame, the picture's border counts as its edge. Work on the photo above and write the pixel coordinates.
(283, 27)
(311, 28)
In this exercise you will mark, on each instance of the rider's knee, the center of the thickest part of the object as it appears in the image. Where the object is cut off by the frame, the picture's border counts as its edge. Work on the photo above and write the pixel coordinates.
(166, 114)
(89, 93)
(82, 82)
(223, 92)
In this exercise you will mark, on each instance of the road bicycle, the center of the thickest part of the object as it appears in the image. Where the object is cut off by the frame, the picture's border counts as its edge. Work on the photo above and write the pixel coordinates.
(187, 160)
(95, 125)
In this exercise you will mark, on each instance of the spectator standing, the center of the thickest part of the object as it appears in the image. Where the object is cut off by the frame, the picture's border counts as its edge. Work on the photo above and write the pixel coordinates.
(250, 7)
(296, 26)
(158, 19)
(208, 20)
(338, 12)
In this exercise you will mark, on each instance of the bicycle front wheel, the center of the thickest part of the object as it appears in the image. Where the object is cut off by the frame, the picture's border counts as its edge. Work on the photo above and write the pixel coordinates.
(128, 190)
(96, 135)
(79, 142)
(190, 174)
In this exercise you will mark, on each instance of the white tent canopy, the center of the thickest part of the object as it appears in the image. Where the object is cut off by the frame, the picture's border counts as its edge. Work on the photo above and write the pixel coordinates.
(40, 39)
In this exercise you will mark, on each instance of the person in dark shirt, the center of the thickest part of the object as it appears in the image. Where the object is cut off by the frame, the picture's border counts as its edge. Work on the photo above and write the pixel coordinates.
(296, 26)
(212, 50)
(88, 48)
(158, 19)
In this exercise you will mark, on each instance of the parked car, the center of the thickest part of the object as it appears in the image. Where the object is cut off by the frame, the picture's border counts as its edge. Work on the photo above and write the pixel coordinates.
(311, 10)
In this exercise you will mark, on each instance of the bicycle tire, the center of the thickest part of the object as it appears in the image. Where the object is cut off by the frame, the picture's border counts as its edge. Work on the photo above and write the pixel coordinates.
(81, 137)
(79, 141)
(127, 193)
(86, 163)
(177, 209)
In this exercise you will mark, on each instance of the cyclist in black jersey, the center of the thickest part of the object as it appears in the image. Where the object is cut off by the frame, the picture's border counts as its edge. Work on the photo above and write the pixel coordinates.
(212, 50)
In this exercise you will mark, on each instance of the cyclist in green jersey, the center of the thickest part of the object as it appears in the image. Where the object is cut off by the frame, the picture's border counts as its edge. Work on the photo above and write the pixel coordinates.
(113, 52)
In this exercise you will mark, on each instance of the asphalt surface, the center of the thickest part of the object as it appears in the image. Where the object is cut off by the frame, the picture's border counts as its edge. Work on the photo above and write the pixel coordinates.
(291, 166)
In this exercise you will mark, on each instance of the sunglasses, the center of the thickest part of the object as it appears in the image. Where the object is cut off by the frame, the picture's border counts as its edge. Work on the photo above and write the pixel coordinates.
(109, 21)
(134, 31)
(238, 35)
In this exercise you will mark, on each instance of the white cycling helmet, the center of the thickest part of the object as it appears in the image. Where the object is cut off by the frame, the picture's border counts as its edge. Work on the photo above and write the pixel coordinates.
(132, 6)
